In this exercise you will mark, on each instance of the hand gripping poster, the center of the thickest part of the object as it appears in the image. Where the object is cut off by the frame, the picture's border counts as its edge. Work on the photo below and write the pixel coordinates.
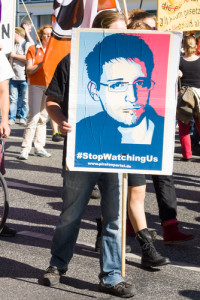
(122, 100)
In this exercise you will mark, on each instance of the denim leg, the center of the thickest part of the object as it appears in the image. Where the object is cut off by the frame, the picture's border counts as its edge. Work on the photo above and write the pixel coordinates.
(24, 100)
(110, 185)
(77, 188)
(14, 94)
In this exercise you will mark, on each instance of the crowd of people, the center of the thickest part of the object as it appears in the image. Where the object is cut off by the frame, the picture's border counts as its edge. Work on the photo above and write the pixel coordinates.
(35, 104)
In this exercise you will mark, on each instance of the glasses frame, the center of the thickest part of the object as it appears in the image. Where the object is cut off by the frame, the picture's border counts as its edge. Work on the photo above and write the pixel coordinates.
(152, 83)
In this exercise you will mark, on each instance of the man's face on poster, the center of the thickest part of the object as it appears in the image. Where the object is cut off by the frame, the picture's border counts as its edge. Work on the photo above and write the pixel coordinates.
(124, 90)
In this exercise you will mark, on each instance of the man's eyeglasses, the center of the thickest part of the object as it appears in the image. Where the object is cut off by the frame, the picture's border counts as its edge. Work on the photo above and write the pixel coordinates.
(139, 85)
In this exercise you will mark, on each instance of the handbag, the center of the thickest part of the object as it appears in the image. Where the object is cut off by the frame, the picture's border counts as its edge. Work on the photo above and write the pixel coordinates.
(186, 104)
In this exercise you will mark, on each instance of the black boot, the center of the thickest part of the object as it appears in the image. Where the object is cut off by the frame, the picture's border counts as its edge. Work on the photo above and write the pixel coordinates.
(150, 257)
(98, 238)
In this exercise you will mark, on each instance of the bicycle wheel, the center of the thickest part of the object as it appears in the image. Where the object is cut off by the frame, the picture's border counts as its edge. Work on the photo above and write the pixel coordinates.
(4, 203)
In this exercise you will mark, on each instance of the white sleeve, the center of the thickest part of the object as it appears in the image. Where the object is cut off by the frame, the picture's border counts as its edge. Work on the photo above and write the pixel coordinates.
(6, 71)
(28, 44)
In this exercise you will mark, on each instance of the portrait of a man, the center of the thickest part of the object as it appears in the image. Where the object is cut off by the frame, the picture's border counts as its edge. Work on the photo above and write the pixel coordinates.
(119, 80)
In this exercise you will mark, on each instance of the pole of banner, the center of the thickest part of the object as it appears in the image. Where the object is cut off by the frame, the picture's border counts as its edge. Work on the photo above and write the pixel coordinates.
(17, 13)
(125, 10)
(124, 201)
(32, 24)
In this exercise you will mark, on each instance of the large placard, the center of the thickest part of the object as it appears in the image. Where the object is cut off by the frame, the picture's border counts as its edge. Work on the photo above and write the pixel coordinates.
(122, 100)
(7, 25)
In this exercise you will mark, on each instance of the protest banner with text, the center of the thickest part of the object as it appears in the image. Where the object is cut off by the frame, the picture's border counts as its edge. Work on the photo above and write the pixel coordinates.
(178, 15)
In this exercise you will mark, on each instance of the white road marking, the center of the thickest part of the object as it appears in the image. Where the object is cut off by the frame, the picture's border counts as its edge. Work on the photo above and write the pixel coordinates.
(42, 236)
(15, 138)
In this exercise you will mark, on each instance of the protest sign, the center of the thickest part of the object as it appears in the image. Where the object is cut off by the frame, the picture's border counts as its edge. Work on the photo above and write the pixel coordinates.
(179, 15)
(7, 25)
(122, 101)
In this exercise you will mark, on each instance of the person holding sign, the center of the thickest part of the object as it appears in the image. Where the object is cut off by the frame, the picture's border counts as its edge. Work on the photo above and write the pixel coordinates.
(137, 186)
(77, 188)
(163, 184)
(6, 73)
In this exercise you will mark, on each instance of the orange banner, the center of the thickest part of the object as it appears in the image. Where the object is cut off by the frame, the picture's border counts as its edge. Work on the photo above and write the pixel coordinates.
(106, 4)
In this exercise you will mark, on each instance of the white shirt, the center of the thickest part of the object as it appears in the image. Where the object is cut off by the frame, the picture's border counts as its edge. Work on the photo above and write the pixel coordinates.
(6, 71)
(17, 65)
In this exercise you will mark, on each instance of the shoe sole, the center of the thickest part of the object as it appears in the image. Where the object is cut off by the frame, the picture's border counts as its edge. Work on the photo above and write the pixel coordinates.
(58, 141)
(148, 265)
(50, 282)
(180, 241)
(39, 155)
(22, 158)
(107, 291)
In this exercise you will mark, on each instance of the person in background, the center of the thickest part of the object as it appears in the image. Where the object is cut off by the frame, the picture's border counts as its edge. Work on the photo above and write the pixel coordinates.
(18, 84)
(6, 73)
(26, 25)
(56, 134)
(163, 184)
(35, 130)
(136, 15)
(189, 73)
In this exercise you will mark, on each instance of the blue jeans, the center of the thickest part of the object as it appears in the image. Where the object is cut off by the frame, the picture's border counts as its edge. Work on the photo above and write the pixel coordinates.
(77, 188)
(18, 94)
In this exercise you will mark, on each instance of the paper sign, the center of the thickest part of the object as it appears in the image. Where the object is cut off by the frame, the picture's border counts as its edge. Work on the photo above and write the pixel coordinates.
(122, 101)
(183, 15)
(7, 25)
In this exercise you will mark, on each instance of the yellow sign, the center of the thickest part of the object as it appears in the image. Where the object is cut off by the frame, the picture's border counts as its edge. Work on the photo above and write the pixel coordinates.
(179, 15)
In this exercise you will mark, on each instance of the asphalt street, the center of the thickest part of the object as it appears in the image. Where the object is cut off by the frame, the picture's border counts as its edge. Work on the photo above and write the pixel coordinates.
(34, 192)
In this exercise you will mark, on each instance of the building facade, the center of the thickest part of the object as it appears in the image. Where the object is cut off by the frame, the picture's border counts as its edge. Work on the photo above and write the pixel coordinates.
(39, 10)
(150, 5)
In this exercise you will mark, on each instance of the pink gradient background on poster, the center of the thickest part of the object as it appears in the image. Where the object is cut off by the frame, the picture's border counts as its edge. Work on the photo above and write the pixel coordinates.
(159, 45)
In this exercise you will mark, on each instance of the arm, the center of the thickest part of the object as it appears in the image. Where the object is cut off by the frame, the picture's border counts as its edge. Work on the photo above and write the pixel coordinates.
(18, 56)
(30, 68)
(4, 105)
(55, 113)
(27, 29)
